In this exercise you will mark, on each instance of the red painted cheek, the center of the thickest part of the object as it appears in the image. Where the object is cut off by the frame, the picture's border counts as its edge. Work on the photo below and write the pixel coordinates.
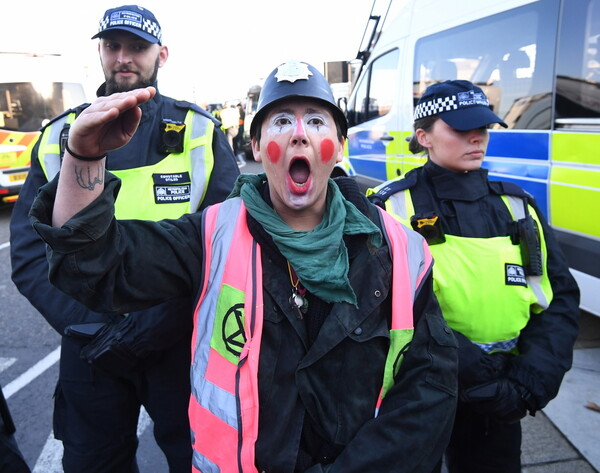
(273, 151)
(327, 148)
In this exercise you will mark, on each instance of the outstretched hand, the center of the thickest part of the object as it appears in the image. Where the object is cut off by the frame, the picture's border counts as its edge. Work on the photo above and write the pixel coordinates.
(108, 123)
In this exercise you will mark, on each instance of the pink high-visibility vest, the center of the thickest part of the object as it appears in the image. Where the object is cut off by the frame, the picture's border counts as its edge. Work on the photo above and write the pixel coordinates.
(227, 333)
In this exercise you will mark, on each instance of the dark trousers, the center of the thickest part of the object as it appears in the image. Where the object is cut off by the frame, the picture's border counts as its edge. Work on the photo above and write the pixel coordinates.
(481, 445)
(11, 460)
(96, 415)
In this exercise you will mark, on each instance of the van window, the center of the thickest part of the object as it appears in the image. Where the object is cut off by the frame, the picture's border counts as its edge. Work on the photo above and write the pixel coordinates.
(509, 55)
(578, 65)
(25, 106)
(375, 93)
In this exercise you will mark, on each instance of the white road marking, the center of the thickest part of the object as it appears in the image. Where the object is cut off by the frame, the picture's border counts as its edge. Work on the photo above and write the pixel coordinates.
(4, 245)
(50, 460)
(143, 421)
(6, 363)
(32, 373)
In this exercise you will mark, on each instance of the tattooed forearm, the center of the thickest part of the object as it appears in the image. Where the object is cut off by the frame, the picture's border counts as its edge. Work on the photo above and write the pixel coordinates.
(89, 176)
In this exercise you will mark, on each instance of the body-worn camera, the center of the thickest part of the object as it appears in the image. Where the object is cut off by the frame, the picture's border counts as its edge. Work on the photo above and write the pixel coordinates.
(429, 226)
(171, 136)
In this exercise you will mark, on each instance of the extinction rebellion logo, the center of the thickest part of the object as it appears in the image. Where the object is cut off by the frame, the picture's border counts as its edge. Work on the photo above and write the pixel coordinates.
(233, 329)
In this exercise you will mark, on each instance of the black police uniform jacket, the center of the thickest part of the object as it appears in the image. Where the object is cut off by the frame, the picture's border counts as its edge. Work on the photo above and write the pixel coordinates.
(469, 205)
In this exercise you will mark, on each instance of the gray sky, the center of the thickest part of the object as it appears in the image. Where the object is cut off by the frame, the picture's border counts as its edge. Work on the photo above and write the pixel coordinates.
(217, 48)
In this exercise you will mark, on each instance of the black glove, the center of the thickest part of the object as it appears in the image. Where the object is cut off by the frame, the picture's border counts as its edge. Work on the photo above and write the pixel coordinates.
(475, 366)
(503, 399)
(107, 352)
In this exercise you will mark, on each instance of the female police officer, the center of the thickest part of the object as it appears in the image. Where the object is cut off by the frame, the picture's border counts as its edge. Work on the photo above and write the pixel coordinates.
(499, 275)
(318, 344)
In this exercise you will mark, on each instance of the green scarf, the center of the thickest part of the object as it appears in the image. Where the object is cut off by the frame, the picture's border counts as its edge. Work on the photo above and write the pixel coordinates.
(320, 256)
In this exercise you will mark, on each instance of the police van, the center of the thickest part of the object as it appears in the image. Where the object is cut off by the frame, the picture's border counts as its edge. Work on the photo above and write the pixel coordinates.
(33, 89)
(539, 64)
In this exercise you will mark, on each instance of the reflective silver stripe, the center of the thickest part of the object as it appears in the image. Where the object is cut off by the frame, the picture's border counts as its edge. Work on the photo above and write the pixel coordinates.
(535, 283)
(203, 464)
(398, 203)
(216, 400)
(517, 207)
(199, 128)
(416, 259)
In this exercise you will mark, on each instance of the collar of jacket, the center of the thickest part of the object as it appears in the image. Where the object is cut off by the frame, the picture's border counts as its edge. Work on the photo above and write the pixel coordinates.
(268, 245)
(466, 186)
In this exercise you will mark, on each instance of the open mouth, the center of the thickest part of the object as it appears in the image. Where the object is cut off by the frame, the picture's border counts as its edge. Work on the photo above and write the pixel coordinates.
(299, 171)
(299, 174)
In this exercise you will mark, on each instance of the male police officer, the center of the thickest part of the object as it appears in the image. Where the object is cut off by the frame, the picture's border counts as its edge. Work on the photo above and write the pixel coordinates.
(318, 344)
(178, 162)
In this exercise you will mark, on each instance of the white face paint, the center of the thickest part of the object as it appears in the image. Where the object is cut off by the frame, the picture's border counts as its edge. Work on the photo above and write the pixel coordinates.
(312, 121)
(299, 147)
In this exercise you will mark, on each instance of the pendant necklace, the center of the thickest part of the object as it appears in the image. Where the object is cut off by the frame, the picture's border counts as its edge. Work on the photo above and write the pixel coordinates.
(297, 300)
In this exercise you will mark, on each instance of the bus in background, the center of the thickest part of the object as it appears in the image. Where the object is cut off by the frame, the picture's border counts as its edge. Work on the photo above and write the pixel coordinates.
(33, 89)
(539, 64)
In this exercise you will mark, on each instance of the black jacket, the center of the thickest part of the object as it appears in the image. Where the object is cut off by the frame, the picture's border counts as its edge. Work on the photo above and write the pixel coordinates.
(319, 377)
(162, 325)
(469, 205)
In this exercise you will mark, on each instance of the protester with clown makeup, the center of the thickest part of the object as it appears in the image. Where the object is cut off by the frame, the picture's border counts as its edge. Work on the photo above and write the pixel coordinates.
(318, 345)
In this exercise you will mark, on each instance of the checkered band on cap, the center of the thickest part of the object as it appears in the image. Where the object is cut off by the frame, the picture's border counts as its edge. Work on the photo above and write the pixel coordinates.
(152, 28)
(436, 106)
(134, 20)
(103, 24)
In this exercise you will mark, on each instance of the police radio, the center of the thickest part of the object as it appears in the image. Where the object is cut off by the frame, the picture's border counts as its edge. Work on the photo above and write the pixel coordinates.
(171, 136)
(429, 226)
(527, 236)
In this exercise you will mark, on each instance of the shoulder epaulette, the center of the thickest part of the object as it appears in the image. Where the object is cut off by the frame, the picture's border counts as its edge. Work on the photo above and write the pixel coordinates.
(391, 187)
(196, 108)
(509, 188)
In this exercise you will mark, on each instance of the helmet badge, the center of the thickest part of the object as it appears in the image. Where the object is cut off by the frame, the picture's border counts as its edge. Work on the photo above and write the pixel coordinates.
(292, 71)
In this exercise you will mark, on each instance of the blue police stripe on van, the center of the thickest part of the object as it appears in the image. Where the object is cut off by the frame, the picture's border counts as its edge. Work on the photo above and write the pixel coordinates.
(372, 155)
(514, 156)
(524, 145)
(522, 158)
